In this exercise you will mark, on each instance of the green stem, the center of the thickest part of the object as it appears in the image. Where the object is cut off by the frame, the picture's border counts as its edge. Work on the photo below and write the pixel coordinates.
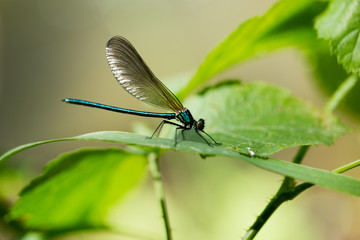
(159, 190)
(275, 202)
(271, 207)
(300, 154)
(347, 167)
(340, 93)
(286, 192)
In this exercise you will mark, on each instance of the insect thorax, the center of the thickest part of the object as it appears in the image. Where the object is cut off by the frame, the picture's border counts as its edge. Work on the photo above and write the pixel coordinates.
(185, 117)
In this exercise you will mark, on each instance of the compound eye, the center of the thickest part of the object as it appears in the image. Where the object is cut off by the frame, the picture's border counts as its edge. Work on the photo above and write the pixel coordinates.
(200, 124)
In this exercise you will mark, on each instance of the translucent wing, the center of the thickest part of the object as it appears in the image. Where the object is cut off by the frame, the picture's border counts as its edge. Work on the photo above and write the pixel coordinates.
(134, 75)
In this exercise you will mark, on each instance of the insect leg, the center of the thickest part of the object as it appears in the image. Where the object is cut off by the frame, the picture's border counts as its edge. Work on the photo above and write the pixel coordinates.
(197, 131)
(216, 143)
(182, 133)
(158, 129)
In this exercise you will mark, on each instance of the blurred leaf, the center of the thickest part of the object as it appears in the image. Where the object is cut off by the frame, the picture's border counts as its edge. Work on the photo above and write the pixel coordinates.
(287, 23)
(340, 24)
(262, 118)
(327, 70)
(337, 25)
(76, 190)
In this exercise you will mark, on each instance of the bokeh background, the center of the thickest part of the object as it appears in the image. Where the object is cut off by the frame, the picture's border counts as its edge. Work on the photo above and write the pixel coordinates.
(56, 49)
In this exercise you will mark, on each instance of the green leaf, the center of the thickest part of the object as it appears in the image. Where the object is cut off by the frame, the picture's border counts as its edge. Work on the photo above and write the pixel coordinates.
(335, 25)
(323, 178)
(340, 24)
(263, 118)
(76, 190)
(287, 23)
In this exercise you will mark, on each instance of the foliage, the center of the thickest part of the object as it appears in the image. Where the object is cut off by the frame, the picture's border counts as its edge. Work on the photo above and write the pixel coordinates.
(251, 121)
(112, 172)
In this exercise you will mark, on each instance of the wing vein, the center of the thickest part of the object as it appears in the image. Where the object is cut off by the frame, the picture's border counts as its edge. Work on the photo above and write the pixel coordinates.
(135, 76)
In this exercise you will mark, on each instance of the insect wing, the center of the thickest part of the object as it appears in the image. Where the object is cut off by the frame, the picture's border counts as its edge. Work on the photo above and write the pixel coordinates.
(135, 76)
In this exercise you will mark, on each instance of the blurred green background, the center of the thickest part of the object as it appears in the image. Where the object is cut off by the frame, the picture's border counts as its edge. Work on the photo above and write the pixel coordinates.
(51, 50)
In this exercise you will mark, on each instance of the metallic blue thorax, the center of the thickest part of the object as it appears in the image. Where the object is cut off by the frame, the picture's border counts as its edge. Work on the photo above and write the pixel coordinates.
(185, 117)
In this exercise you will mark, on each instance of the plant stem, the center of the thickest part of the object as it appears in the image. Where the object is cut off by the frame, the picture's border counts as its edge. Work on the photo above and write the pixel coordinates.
(340, 93)
(287, 191)
(300, 154)
(159, 190)
(347, 167)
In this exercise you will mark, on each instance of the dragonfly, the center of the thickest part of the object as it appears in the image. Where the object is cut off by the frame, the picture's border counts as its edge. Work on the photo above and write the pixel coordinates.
(132, 73)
